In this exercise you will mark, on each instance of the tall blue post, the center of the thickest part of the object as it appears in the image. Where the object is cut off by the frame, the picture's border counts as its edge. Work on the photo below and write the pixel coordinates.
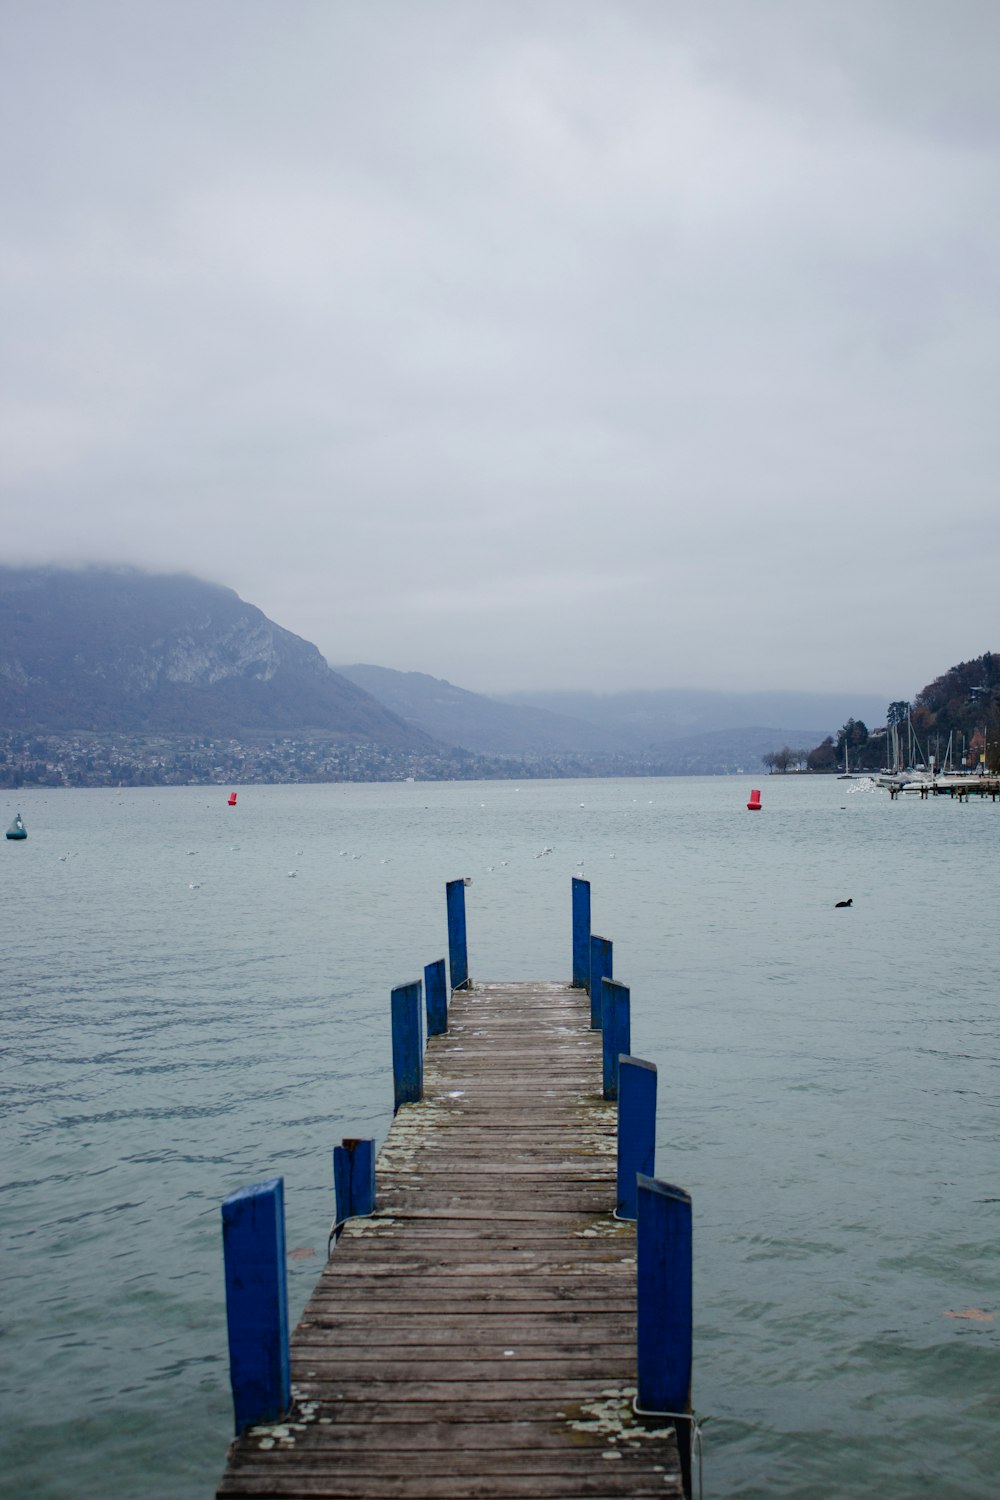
(407, 1048)
(664, 1286)
(436, 997)
(636, 1129)
(354, 1179)
(600, 968)
(253, 1244)
(616, 1026)
(458, 951)
(581, 933)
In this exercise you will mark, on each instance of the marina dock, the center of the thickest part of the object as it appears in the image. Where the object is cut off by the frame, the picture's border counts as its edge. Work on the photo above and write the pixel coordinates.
(476, 1334)
(959, 790)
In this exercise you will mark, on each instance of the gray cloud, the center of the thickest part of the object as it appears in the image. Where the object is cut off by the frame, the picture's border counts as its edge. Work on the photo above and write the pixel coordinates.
(553, 345)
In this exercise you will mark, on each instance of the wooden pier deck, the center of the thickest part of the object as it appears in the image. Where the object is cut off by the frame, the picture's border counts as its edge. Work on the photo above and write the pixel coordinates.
(476, 1336)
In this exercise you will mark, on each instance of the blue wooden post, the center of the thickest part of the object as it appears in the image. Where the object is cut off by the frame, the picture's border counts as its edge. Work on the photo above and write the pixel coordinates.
(436, 995)
(407, 1048)
(636, 1129)
(253, 1244)
(616, 1025)
(458, 951)
(600, 968)
(664, 1286)
(581, 933)
(354, 1179)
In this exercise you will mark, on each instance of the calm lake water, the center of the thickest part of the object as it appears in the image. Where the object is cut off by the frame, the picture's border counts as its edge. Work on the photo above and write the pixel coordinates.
(182, 1016)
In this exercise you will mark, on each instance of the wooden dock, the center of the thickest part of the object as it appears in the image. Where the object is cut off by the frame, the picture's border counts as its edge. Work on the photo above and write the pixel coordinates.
(959, 791)
(476, 1335)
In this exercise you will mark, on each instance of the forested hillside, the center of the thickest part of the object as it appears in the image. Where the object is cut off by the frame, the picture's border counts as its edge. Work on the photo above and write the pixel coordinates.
(956, 717)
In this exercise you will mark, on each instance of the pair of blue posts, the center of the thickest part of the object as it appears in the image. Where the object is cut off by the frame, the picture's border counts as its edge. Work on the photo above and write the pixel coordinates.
(253, 1237)
(406, 1006)
(407, 1032)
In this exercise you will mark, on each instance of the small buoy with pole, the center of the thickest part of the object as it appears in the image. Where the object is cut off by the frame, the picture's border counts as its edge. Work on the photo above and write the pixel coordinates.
(754, 804)
(232, 799)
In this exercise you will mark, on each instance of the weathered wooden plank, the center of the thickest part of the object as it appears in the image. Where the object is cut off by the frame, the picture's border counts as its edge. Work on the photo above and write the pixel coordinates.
(476, 1233)
(479, 1463)
(472, 1283)
(556, 1389)
(459, 1170)
(525, 1265)
(546, 1216)
(560, 1193)
(613, 1273)
(437, 1304)
(320, 1348)
(608, 1486)
(617, 1363)
(398, 1200)
(362, 1407)
(478, 1185)
(420, 1435)
(570, 1328)
(522, 1269)
(357, 1331)
(469, 1231)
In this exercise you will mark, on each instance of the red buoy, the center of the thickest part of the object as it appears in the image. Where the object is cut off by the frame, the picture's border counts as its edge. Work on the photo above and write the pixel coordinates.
(232, 799)
(754, 804)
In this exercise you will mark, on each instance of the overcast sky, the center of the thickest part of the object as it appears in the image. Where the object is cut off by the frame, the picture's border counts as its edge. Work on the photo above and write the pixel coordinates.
(642, 343)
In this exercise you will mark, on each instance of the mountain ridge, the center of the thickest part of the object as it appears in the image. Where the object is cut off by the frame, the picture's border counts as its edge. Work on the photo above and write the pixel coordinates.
(653, 717)
(475, 721)
(668, 727)
(120, 649)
